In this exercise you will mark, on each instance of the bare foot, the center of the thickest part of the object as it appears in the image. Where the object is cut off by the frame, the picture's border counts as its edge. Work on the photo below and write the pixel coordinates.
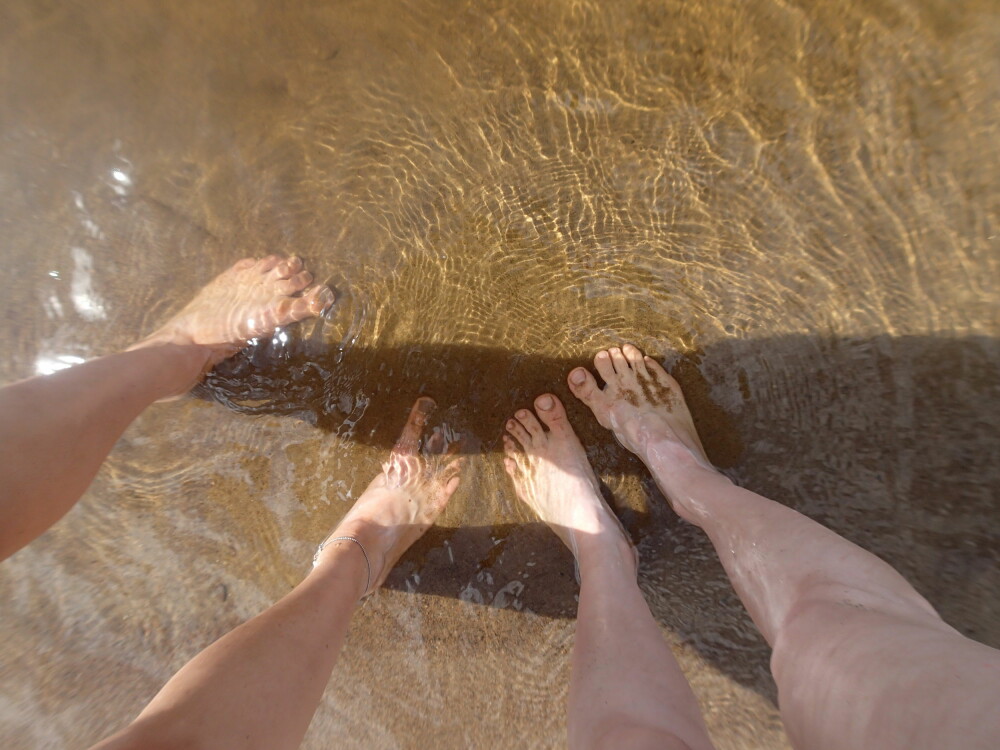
(250, 299)
(641, 403)
(553, 477)
(404, 500)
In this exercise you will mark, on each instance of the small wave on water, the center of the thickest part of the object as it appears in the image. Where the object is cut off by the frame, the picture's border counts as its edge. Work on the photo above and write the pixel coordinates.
(788, 204)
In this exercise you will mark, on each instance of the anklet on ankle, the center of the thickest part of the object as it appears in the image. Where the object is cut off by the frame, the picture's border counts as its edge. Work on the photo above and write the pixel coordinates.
(319, 550)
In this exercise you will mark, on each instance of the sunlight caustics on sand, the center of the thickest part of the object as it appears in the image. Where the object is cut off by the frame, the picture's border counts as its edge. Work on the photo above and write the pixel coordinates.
(790, 203)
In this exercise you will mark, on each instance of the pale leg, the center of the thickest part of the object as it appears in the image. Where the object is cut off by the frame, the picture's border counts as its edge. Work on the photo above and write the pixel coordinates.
(626, 688)
(860, 658)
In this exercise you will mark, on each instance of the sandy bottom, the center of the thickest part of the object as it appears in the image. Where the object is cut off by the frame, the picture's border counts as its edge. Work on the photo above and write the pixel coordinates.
(788, 203)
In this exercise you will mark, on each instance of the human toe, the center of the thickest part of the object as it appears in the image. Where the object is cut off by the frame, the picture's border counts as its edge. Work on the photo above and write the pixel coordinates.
(436, 444)
(295, 283)
(530, 422)
(552, 412)
(602, 362)
(450, 487)
(513, 460)
(583, 385)
(662, 376)
(314, 302)
(448, 474)
(420, 412)
(320, 298)
(619, 361)
(515, 428)
(288, 267)
(634, 357)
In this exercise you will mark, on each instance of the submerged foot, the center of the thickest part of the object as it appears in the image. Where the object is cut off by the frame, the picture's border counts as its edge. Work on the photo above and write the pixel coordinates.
(640, 402)
(645, 408)
(553, 477)
(404, 500)
(251, 299)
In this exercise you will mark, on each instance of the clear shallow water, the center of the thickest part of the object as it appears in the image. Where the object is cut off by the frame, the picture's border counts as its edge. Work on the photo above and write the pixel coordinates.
(794, 204)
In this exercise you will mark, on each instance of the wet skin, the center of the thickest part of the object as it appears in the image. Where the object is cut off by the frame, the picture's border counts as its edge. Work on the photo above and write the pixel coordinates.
(259, 685)
(250, 299)
(859, 657)
(70, 420)
(402, 502)
(626, 688)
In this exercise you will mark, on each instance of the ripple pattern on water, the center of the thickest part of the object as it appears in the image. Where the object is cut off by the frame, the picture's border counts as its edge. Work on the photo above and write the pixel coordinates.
(790, 203)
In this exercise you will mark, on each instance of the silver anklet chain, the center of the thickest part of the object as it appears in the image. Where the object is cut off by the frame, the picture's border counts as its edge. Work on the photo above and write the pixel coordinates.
(322, 546)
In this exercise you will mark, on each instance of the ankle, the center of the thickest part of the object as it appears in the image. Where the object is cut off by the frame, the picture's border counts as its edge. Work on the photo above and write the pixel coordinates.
(691, 488)
(374, 538)
(167, 335)
(668, 453)
(342, 564)
(608, 552)
(180, 367)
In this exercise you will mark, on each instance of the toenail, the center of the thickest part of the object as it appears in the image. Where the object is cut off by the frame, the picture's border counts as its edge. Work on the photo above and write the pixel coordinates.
(578, 377)
(510, 425)
(602, 355)
(545, 403)
(522, 414)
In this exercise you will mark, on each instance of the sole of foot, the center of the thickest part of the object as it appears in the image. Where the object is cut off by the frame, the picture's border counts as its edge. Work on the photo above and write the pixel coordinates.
(403, 501)
(553, 477)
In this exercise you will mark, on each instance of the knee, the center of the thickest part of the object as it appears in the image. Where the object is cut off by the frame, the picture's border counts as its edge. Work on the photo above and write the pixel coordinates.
(831, 650)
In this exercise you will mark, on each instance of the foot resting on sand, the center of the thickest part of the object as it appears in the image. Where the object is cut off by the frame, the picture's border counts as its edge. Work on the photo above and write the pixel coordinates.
(645, 408)
(403, 501)
(250, 299)
(552, 476)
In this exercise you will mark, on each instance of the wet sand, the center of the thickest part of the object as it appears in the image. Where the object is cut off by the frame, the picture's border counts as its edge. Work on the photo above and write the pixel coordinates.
(791, 205)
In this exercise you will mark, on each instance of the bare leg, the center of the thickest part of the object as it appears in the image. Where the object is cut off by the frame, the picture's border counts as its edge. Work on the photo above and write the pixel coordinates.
(626, 689)
(860, 658)
(259, 685)
(56, 430)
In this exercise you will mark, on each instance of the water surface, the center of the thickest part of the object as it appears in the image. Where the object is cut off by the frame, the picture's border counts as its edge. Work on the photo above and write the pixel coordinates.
(793, 204)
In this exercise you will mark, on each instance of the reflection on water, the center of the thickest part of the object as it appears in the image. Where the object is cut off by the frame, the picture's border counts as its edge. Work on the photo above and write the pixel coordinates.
(790, 202)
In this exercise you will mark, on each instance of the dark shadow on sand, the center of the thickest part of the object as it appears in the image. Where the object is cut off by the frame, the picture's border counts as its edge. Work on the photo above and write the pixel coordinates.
(893, 442)
(365, 394)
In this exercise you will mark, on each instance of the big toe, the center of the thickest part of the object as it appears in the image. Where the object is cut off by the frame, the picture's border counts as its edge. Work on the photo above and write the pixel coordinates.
(511, 458)
(552, 412)
(584, 386)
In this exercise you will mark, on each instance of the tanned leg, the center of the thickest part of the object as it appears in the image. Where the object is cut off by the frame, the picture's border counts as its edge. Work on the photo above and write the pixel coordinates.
(259, 685)
(860, 658)
(56, 430)
(626, 688)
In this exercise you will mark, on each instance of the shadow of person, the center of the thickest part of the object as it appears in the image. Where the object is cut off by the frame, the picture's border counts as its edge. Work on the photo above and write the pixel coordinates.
(361, 392)
(892, 442)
